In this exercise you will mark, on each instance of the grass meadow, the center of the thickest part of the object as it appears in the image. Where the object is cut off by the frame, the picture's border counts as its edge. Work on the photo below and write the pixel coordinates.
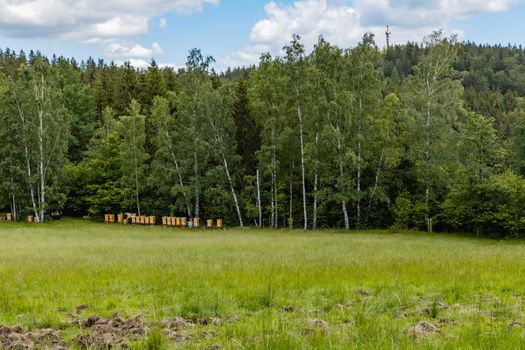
(264, 289)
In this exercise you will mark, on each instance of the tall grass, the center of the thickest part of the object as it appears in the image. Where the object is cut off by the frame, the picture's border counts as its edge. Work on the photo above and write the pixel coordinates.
(369, 287)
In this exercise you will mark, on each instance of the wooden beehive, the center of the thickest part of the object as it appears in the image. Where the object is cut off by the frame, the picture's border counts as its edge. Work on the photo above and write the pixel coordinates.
(209, 223)
(142, 220)
(219, 224)
(9, 217)
(120, 218)
(30, 219)
(196, 222)
(164, 220)
(183, 222)
(111, 218)
(152, 220)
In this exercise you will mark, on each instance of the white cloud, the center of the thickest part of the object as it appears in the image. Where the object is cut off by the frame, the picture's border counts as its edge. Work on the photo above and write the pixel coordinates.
(143, 64)
(344, 24)
(135, 51)
(135, 62)
(89, 21)
(163, 23)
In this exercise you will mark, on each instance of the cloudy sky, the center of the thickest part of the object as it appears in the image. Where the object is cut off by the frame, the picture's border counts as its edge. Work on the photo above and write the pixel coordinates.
(236, 32)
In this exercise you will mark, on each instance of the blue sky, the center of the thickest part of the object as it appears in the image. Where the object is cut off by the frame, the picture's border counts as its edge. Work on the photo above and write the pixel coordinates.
(236, 32)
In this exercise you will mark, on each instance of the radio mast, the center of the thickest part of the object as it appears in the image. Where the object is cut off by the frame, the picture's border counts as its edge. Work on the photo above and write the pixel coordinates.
(388, 33)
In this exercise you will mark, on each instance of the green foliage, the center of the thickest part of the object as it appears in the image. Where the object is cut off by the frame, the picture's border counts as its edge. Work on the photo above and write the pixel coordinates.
(337, 135)
(133, 155)
(494, 207)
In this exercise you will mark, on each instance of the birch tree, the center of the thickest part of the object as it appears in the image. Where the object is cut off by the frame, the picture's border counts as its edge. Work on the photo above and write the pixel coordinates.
(434, 97)
(221, 131)
(365, 83)
(167, 173)
(132, 152)
(41, 133)
(267, 102)
(190, 107)
(296, 65)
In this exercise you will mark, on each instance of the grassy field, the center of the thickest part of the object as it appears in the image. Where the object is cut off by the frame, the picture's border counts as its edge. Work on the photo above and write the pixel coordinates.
(262, 289)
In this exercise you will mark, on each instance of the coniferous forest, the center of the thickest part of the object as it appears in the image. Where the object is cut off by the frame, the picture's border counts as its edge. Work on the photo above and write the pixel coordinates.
(430, 132)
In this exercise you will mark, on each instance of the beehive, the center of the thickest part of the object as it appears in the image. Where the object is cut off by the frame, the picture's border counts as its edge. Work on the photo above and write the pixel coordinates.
(209, 223)
(219, 224)
(30, 219)
(196, 222)
(183, 222)
(152, 220)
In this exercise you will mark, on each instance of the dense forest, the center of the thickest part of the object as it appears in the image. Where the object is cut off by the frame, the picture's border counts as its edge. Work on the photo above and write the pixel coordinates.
(414, 135)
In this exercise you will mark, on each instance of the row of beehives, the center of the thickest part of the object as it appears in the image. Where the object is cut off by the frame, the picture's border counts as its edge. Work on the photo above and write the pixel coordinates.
(6, 217)
(166, 221)
(195, 222)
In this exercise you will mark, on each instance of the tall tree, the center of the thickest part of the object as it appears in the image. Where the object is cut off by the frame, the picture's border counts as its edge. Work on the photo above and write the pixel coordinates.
(365, 82)
(434, 97)
(167, 173)
(132, 152)
(295, 68)
(41, 125)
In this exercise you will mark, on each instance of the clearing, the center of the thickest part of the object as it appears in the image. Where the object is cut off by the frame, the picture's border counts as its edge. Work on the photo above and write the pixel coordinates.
(77, 284)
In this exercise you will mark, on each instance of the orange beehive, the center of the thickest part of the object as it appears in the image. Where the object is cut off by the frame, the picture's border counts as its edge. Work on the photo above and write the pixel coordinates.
(219, 224)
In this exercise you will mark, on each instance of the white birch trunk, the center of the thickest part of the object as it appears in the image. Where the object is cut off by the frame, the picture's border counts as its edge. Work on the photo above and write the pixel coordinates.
(234, 195)
(303, 176)
(42, 200)
(176, 163)
(341, 174)
(259, 197)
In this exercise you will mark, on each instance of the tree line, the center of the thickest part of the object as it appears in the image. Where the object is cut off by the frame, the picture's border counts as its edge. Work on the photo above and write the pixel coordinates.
(409, 136)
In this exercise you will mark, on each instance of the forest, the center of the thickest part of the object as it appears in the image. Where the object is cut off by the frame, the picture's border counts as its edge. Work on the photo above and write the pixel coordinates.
(426, 135)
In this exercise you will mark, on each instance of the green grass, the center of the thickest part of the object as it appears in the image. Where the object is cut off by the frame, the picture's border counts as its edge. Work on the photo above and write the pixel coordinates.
(369, 287)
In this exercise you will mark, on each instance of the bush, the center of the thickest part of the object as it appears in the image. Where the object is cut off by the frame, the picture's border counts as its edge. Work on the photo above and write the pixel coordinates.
(492, 207)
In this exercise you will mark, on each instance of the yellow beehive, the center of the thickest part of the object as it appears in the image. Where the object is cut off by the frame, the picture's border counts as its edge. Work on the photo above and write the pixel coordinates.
(120, 218)
(183, 222)
(209, 223)
(152, 220)
(30, 219)
(173, 221)
(219, 224)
